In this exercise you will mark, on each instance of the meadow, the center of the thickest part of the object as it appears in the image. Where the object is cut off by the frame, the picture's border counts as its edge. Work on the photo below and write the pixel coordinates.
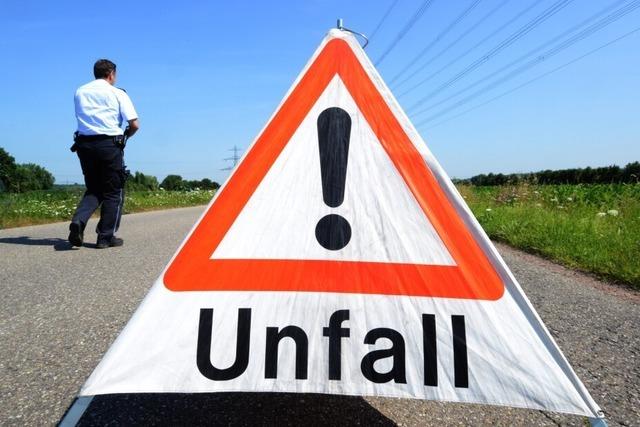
(39, 207)
(590, 227)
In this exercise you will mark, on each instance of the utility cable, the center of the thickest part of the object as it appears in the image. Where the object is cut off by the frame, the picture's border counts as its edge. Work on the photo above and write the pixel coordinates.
(472, 48)
(403, 32)
(533, 80)
(439, 37)
(384, 18)
(528, 27)
(536, 50)
(450, 45)
(609, 19)
(585, 33)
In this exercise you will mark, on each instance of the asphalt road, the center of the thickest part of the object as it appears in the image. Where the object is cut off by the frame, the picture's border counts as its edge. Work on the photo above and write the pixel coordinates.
(61, 308)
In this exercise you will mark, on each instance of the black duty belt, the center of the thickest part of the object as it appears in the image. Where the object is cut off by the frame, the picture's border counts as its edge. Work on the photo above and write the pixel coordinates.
(119, 140)
(92, 138)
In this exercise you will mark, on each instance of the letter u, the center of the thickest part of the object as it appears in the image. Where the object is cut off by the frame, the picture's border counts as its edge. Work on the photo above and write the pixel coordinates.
(203, 353)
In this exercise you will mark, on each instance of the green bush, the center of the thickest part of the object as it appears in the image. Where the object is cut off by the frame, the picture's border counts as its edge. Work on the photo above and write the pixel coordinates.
(19, 178)
(7, 170)
(142, 182)
(173, 183)
(31, 177)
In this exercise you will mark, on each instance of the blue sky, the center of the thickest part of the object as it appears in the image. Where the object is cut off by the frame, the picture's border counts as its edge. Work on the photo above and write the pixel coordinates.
(206, 76)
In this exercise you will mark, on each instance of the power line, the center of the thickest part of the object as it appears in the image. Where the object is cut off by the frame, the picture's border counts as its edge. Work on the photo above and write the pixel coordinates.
(528, 27)
(453, 43)
(442, 33)
(609, 19)
(403, 32)
(533, 51)
(472, 48)
(384, 18)
(533, 80)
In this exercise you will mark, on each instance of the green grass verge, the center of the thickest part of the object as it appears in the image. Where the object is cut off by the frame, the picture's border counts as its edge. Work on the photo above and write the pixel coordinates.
(41, 207)
(594, 228)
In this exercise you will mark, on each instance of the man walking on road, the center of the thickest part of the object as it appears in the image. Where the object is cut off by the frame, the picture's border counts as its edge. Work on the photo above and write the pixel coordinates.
(101, 110)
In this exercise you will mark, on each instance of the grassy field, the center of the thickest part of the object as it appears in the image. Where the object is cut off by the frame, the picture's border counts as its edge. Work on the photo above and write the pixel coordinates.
(594, 228)
(40, 207)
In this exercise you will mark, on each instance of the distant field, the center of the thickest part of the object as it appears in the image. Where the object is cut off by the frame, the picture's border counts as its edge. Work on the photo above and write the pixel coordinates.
(594, 227)
(40, 207)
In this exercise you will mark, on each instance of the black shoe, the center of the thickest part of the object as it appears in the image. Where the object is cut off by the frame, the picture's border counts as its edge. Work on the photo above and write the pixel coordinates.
(76, 235)
(111, 243)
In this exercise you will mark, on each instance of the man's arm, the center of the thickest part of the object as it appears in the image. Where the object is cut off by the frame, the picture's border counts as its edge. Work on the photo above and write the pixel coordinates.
(127, 112)
(133, 127)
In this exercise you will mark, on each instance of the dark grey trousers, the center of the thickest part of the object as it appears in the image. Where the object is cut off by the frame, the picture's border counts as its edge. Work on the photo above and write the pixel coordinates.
(104, 176)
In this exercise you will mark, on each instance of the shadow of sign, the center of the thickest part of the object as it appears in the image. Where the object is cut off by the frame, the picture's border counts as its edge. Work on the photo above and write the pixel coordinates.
(240, 409)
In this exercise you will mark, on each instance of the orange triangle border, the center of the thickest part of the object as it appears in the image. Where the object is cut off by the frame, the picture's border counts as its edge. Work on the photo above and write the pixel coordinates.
(473, 276)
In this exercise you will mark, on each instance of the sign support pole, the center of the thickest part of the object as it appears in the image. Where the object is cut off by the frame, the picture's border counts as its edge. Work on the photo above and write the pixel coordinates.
(75, 411)
(598, 422)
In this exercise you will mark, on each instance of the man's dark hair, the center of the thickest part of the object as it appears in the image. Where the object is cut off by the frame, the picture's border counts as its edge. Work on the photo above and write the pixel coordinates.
(102, 68)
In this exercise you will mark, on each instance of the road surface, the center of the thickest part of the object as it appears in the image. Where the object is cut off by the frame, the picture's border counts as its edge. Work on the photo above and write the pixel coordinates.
(62, 308)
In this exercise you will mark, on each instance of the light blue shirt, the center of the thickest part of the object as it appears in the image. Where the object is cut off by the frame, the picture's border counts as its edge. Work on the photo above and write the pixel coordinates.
(101, 109)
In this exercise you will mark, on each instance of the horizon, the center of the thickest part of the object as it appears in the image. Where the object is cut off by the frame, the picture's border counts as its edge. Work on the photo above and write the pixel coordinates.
(453, 178)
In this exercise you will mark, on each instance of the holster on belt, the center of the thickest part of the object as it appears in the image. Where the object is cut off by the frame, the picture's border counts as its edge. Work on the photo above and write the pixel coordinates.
(120, 141)
(74, 147)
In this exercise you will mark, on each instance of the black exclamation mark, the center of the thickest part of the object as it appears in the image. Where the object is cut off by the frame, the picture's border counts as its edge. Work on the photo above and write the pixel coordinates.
(333, 232)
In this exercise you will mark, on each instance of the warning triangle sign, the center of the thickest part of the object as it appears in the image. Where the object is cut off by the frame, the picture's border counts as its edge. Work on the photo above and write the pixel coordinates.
(337, 235)
(365, 185)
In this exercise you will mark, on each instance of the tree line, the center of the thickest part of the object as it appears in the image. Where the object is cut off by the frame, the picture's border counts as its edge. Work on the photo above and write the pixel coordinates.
(20, 178)
(141, 182)
(603, 175)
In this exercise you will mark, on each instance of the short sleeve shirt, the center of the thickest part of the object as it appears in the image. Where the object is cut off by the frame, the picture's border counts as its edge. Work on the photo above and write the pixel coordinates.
(101, 109)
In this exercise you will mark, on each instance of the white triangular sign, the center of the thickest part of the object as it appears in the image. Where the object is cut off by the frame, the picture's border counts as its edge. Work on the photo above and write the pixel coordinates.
(339, 258)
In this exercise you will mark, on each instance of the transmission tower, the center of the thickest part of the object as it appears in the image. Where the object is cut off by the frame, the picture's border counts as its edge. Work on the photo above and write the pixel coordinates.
(234, 158)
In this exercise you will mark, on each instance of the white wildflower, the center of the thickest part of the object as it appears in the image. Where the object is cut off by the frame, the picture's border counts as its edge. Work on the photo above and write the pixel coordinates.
(569, 199)
(488, 209)
(601, 214)
(612, 212)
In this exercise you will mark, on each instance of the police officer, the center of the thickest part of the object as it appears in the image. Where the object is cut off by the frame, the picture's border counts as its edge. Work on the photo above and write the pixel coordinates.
(101, 111)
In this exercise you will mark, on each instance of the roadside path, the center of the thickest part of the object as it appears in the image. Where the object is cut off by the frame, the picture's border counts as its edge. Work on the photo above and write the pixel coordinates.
(61, 309)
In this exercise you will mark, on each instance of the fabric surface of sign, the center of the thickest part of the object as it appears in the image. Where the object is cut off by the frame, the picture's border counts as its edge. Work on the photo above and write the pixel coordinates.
(339, 258)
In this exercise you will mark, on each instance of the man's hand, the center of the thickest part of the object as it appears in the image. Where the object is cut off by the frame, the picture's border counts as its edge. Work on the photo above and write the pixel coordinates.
(133, 127)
